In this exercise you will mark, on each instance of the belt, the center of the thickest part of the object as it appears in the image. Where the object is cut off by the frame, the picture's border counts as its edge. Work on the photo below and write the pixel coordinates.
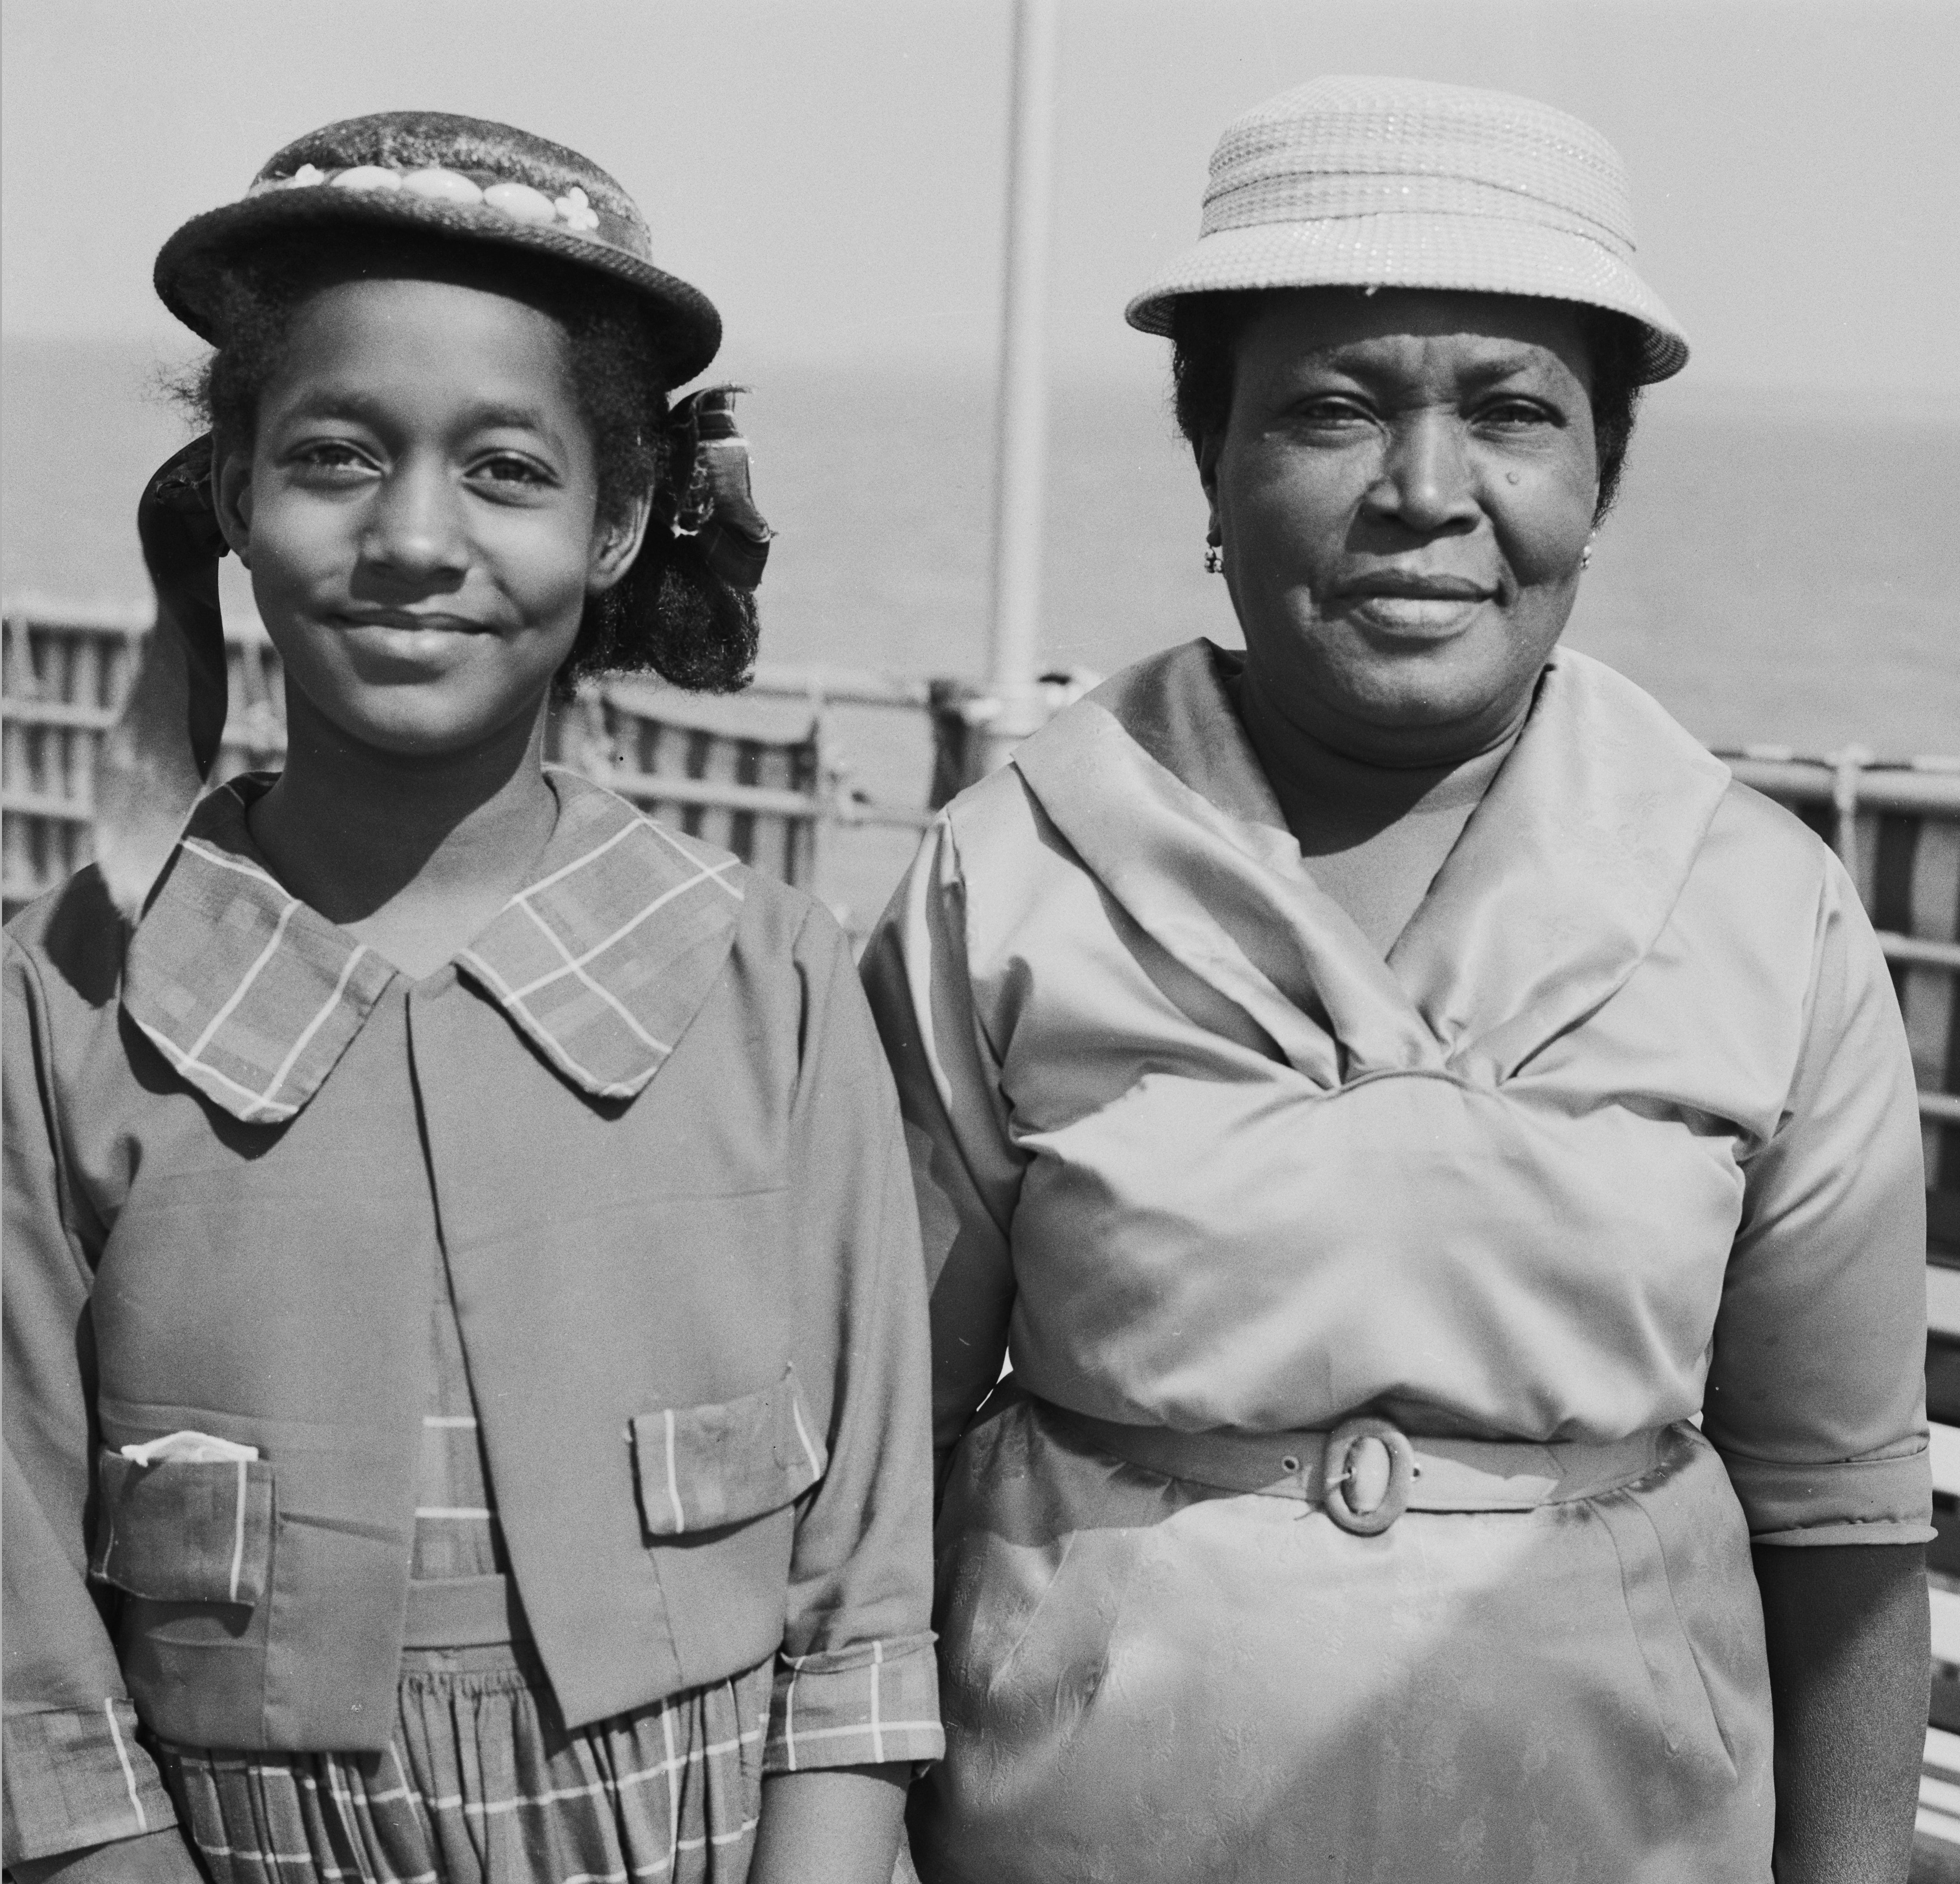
(1365, 1473)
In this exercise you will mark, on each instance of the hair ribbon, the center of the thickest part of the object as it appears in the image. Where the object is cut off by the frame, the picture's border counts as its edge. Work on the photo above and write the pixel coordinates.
(707, 496)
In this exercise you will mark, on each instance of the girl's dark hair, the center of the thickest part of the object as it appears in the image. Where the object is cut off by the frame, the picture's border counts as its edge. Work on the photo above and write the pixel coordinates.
(1204, 340)
(669, 612)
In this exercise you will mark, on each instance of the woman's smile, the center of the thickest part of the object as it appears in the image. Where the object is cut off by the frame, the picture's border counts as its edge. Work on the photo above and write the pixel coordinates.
(1417, 605)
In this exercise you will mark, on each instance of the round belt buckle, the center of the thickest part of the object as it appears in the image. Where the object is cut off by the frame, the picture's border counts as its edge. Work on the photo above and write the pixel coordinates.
(1342, 1445)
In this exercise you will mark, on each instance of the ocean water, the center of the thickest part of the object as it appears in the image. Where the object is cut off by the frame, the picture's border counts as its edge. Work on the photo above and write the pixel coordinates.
(1779, 570)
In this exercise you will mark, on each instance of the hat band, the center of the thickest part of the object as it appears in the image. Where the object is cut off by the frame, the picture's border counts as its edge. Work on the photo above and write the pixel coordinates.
(1328, 196)
(463, 189)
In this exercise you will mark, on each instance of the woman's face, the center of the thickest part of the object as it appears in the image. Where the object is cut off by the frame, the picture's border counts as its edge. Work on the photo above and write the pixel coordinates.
(1404, 491)
(419, 511)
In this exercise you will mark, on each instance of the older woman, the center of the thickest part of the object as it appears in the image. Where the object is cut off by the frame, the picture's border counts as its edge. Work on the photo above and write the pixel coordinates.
(1441, 1153)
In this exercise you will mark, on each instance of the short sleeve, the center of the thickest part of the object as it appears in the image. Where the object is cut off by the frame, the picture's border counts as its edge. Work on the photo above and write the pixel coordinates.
(966, 1168)
(1816, 1392)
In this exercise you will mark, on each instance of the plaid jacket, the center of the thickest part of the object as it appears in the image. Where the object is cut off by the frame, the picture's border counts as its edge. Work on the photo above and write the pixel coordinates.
(647, 1117)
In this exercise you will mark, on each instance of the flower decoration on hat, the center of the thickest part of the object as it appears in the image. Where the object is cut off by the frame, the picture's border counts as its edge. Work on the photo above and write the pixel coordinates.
(443, 186)
(363, 177)
(457, 179)
(576, 209)
(520, 202)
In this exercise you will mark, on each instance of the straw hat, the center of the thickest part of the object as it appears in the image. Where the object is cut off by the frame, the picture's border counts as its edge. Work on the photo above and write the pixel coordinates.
(453, 179)
(460, 178)
(1395, 183)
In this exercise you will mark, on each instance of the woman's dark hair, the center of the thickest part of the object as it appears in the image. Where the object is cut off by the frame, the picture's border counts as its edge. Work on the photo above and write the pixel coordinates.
(1204, 340)
(670, 611)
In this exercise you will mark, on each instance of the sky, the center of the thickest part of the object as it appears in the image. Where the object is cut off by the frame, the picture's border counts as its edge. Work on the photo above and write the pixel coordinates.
(832, 172)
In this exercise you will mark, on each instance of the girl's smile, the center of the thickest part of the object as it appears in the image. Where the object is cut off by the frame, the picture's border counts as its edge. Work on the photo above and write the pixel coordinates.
(411, 638)
(419, 510)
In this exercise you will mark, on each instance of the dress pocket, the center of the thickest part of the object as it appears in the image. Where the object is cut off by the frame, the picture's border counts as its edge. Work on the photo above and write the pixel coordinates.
(184, 1530)
(700, 1468)
(1689, 1726)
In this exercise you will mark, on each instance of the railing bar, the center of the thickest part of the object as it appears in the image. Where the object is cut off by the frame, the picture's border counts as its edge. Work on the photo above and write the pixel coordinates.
(1880, 788)
(909, 817)
(713, 794)
(44, 804)
(125, 618)
(815, 687)
(1923, 951)
(57, 712)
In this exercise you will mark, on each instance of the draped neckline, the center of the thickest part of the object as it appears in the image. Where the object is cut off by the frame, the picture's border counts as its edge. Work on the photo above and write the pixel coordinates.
(1558, 886)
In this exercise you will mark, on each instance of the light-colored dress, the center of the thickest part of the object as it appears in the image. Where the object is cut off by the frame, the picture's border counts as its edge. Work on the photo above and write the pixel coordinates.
(1620, 1138)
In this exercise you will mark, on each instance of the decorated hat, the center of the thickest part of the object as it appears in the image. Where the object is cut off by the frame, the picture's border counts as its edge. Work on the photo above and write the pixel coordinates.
(1396, 183)
(453, 179)
(462, 179)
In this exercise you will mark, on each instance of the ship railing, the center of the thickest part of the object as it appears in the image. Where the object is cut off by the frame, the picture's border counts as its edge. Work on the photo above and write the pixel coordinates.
(1896, 829)
(768, 793)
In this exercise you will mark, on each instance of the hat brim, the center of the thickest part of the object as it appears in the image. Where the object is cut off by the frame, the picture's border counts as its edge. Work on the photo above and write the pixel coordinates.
(192, 265)
(1487, 255)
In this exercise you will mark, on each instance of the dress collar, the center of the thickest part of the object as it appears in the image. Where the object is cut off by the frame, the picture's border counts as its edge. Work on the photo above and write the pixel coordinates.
(600, 963)
(1558, 888)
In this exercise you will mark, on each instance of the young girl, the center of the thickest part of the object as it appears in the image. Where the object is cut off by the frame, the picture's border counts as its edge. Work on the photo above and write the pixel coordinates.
(466, 1380)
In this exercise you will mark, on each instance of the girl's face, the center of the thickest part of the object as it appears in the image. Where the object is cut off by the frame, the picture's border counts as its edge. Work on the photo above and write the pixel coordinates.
(420, 511)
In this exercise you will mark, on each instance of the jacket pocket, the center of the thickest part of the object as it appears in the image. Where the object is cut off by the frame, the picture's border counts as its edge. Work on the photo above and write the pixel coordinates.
(185, 1530)
(699, 1468)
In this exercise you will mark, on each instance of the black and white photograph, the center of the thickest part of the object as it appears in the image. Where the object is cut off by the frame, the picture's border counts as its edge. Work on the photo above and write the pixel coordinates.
(980, 942)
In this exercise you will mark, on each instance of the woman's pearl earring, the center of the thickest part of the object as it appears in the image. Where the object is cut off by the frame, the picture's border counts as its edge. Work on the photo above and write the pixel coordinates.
(1214, 560)
(1585, 555)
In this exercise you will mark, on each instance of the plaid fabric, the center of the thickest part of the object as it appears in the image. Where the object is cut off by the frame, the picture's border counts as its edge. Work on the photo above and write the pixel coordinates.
(871, 1704)
(251, 996)
(77, 1779)
(482, 1784)
(601, 963)
(481, 1781)
(456, 1531)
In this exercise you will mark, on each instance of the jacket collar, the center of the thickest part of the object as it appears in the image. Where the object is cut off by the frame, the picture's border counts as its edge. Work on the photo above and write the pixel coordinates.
(1557, 889)
(600, 963)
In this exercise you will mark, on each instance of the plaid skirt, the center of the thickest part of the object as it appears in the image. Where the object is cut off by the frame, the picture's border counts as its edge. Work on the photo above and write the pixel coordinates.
(481, 1784)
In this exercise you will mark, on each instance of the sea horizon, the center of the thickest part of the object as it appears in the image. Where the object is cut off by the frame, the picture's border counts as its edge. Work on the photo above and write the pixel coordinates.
(1780, 569)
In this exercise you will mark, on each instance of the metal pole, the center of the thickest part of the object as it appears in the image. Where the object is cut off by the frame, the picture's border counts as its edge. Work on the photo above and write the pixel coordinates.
(1020, 489)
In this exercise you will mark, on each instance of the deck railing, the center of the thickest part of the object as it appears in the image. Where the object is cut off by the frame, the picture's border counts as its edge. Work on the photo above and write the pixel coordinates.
(68, 669)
